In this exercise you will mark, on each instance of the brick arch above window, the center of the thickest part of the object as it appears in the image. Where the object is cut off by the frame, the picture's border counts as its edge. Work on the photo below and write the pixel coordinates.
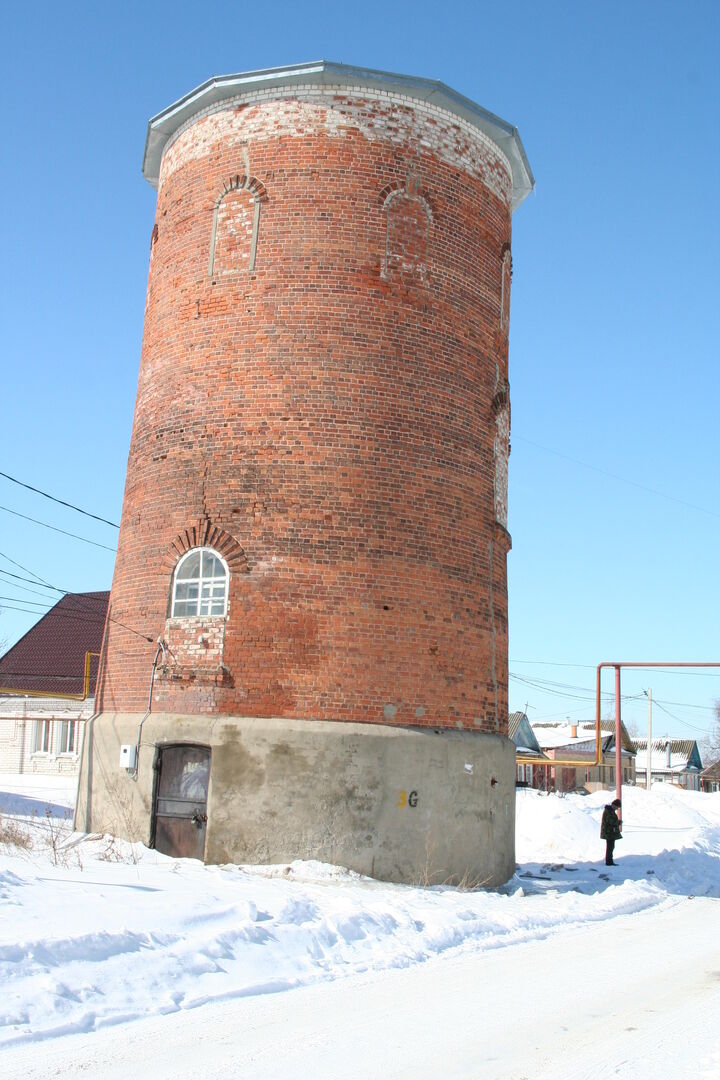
(204, 534)
(236, 220)
(411, 188)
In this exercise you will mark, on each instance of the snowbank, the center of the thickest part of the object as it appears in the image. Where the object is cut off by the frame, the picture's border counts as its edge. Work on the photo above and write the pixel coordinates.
(99, 932)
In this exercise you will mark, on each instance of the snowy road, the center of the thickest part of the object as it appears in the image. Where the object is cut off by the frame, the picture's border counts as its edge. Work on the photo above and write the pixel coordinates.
(638, 996)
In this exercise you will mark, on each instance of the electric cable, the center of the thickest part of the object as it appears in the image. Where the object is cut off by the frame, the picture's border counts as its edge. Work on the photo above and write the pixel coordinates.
(28, 571)
(54, 528)
(33, 581)
(614, 476)
(34, 603)
(672, 716)
(60, 501)
(552, 688)
(593, 667)
(72, 616)
(76, 599)
(23, 588)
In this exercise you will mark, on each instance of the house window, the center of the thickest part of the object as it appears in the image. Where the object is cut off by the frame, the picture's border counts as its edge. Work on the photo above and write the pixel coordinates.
(68, 737)
(43, 736)
(200, 585)
(524, 774)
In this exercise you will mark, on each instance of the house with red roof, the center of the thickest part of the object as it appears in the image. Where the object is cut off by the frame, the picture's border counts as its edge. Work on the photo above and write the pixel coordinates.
(47, 686)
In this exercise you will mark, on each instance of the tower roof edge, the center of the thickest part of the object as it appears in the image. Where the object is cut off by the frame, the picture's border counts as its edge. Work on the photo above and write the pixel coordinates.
(163, 126)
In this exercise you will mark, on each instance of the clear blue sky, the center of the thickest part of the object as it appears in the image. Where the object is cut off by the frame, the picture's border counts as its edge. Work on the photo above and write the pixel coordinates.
(614, 506)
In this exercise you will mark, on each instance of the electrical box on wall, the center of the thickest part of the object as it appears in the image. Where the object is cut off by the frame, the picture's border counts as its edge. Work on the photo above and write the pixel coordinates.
(128, 756)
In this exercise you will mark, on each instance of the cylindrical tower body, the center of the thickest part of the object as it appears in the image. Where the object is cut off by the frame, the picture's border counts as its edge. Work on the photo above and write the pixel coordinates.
(314, 519)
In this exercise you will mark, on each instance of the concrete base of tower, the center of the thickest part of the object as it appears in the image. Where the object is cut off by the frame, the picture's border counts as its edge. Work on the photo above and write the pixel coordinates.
(420, 806)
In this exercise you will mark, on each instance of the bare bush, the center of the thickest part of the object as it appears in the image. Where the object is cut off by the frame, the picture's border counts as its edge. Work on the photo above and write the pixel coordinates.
(14, 834)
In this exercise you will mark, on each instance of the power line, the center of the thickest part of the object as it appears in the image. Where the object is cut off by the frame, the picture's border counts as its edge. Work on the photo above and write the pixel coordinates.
(593, 667)
(75, 598)
(60, 501)
(688, 705)
(27, 571)
(684, 723)
(614, 476)
(549, 687)
(553, 663)
(34, 603)
(31, 611)
(32, 580)
(23, 588)
(55, 529)
(73, 616)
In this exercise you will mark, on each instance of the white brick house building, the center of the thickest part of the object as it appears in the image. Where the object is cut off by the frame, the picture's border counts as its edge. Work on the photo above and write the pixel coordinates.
(47, 687)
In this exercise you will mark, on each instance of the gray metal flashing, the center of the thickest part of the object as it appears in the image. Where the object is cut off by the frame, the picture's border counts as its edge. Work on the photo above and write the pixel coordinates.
(165, 124)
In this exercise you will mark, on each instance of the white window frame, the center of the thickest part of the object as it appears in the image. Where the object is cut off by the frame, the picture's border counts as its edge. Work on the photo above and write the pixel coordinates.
(43, 736)
(68, 740)
(206, 584)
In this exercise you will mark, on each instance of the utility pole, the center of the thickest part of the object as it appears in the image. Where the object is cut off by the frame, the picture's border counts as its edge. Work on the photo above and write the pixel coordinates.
(648, 761)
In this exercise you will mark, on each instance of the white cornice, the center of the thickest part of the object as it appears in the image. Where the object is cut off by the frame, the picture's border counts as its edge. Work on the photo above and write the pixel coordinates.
(162, 127)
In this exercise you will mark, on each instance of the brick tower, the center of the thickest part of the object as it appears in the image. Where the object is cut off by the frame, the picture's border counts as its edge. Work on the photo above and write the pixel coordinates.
(314, 522)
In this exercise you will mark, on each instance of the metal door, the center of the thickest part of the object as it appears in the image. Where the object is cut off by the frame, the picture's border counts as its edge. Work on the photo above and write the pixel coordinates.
(181, 800)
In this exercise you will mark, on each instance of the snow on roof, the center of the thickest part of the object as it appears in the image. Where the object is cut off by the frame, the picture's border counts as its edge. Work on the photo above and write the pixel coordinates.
(681, 751)
(551, 734)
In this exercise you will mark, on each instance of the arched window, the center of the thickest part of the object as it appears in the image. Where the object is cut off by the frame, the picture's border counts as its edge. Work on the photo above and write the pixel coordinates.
(200, 585)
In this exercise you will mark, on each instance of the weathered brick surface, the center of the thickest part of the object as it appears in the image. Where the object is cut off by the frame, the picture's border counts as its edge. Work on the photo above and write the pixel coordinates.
(332, 413)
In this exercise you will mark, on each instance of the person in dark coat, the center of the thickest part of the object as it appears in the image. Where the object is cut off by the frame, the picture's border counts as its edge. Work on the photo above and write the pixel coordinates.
(610, 830)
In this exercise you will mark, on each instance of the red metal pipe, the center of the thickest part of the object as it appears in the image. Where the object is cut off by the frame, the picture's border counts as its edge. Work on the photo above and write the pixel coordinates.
(618, 740)
(633, 664)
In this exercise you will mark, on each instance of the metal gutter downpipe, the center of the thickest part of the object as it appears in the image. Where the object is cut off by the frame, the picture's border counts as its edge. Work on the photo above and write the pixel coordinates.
(160, 649)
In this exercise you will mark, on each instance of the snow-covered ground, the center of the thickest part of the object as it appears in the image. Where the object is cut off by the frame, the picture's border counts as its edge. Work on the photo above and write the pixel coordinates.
(97, 933)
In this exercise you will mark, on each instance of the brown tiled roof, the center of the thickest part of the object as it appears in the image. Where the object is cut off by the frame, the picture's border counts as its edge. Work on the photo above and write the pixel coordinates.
(713, 771)
(50, 658)
(677, 746)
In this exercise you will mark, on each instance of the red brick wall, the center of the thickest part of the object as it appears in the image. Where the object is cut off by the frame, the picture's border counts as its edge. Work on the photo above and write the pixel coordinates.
(329, 414)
